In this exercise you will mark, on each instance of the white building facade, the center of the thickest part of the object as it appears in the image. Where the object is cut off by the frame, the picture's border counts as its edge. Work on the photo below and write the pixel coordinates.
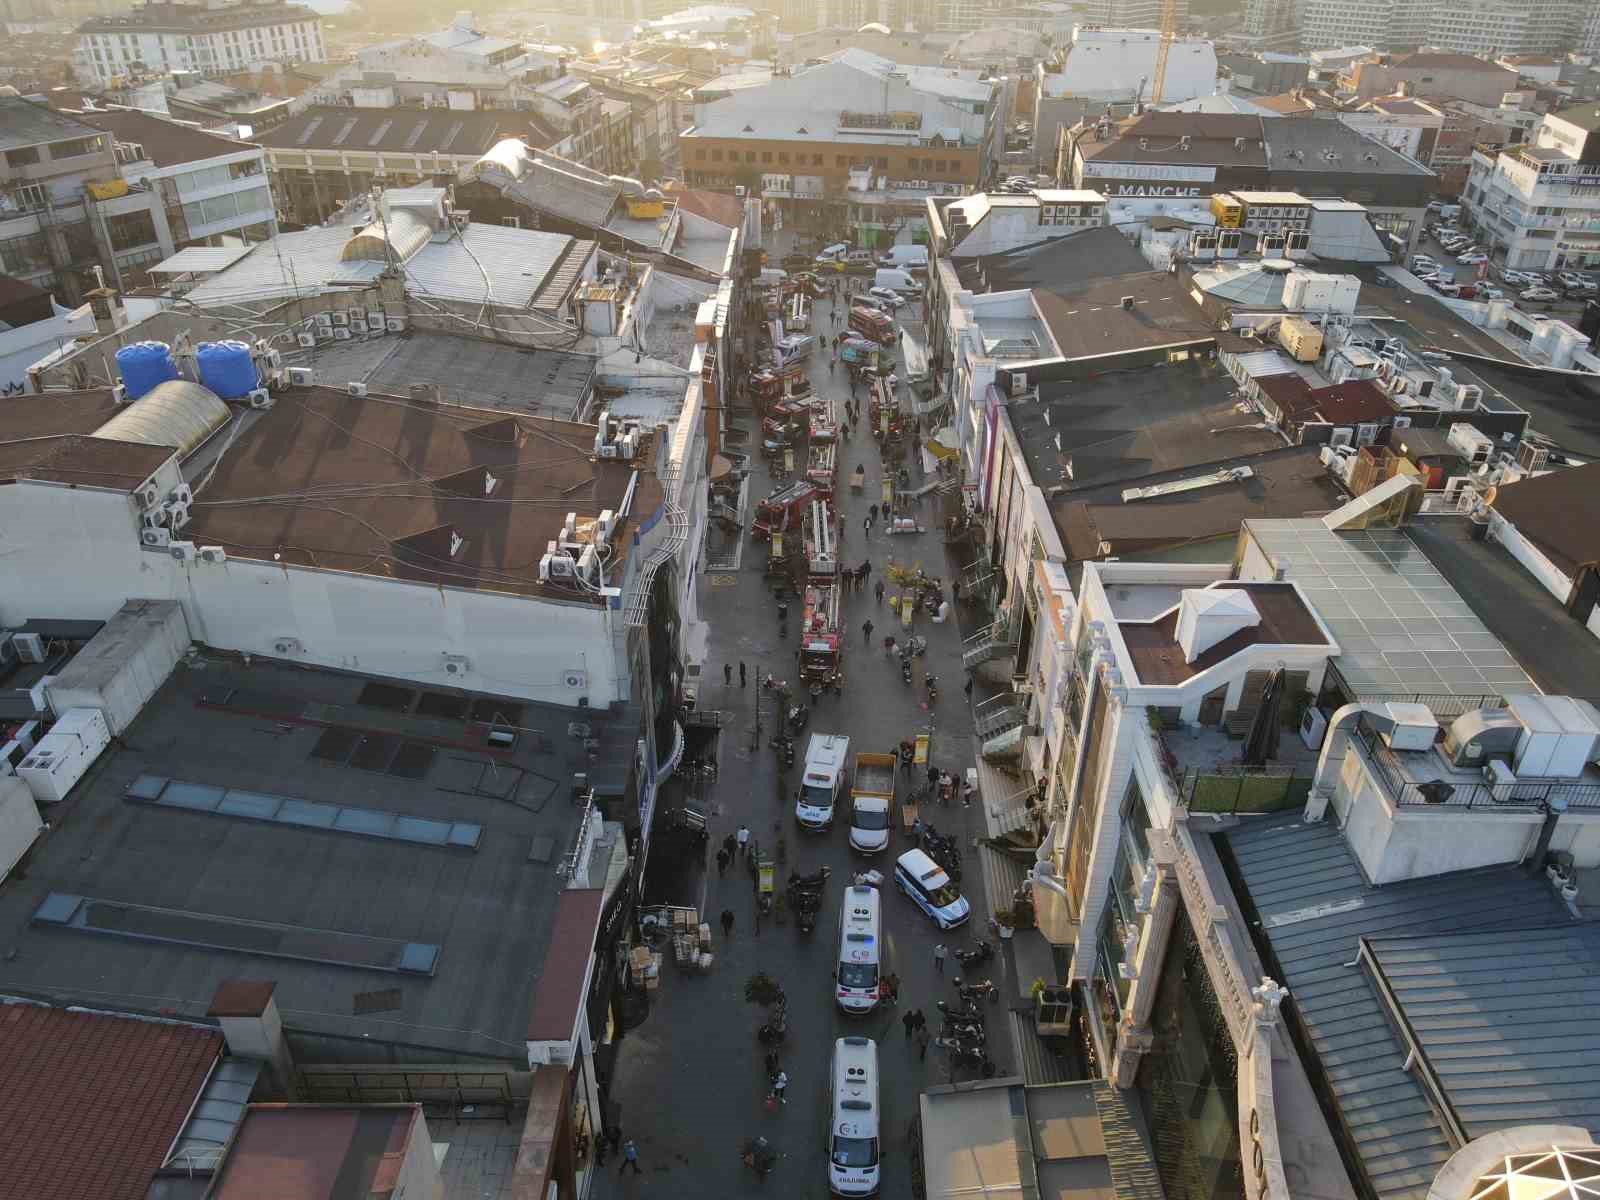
(1539, 204)
(210, 38)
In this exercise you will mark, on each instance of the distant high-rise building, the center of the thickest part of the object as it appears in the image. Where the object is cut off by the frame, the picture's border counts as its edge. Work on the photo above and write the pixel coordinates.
(1130, 14)
(1272, 24)
(1489, 27)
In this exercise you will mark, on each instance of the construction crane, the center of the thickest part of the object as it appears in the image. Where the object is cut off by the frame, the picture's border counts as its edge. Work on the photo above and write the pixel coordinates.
(1169, 30)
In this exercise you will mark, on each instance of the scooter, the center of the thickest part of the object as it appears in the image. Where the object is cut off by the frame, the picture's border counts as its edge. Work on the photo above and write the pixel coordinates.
(758, 1154)
(970, 992)
(968, 1031)
(966, 1011)
(905, 669)
(933, 689)
(981, 953)
(797, 716)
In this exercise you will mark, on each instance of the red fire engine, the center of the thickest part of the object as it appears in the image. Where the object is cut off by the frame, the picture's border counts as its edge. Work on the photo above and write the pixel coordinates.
(822, 554)
(821, 636)
(822, 467)
(783, 509)
(888, 423)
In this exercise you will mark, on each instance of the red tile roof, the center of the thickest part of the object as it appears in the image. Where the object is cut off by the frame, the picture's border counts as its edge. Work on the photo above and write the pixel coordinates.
(90, 1104)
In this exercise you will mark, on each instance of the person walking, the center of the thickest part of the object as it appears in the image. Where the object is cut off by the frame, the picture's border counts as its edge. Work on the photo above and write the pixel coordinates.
(866, 526)
(722, 862)
(938, 958)
(744, 839)
(866, 631)
(727, 674)
(780, 1084)
(741, 674)
(872, 513)
(878, 590)
(727, 922)
(967, 688)
(909, 1020)
(731, 845)
(922, 1041)
(630, 1158)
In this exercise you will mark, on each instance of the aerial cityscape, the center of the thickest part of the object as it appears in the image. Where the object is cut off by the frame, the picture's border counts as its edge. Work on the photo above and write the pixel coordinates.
(931, 599)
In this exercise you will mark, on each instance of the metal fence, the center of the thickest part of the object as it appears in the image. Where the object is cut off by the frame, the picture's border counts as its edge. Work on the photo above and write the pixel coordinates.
(1245, 791)
(1535, 794)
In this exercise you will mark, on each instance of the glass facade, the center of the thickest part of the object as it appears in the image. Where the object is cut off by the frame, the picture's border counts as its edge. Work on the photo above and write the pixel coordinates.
(1122, 922)
(1188, 1081)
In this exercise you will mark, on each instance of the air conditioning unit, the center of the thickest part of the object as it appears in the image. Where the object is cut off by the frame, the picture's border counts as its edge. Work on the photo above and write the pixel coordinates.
(260, 398)
(1019, 383)
(356, 388)
(1531, 457)
(395, 324)
(182, 494)
(337, 318)
(341, 335)
(158, 539)
(358, 316)
(182, 551)
(286, 645)
(29, 646)
(149, 497)
(576, 679)
(273, 360)
(322, 320)
(307, 340)
(177, 514)
(119, 393)
(456, 664)
(376, 323)
(213, 554)
(301, 376)
(1402, 422)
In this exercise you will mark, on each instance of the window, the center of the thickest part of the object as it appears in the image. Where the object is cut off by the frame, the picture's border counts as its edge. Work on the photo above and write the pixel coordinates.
(766, 156)
(816, 160)
(75, 147)
(749, 156)
(30, 197)
(840, 161)
(24, 255)
(783, 157)
(716, 155)
(883, 162)
(511, 222)
(24, 157)
(128, 230)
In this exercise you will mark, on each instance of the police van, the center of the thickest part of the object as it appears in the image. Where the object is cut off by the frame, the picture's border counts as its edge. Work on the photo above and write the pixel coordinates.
(860, 950)
(853, 1118)
(925, 881)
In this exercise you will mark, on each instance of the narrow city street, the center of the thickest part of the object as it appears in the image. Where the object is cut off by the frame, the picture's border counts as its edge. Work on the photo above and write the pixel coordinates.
(690, 1079)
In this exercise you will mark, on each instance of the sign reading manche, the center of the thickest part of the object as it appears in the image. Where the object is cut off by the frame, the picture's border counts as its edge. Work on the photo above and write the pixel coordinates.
(1149, 172)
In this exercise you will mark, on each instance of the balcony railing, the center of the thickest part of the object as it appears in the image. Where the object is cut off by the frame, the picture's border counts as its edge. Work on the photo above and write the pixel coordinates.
(1531, 794)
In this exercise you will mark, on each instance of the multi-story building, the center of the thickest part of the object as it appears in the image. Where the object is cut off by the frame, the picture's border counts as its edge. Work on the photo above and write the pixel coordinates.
(854, 123)
(1430, 74)
(1271, 25)
(1540, 27)
(209, 36)
(1130, 14)
(1537, 204)
(1264, 73)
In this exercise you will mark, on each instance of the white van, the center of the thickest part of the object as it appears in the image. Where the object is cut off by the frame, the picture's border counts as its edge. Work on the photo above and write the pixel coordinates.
(925, 881)
(904, 256)
(833, 253)
(853, 1118)
(896, 280)
(773, 275)
(860, 950)
(827, 762)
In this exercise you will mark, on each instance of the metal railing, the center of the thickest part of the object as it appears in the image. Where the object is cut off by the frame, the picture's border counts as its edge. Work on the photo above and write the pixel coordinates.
(1529, 794)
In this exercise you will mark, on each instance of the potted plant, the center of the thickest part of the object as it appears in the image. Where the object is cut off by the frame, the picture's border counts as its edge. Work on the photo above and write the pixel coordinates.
(1005, 920)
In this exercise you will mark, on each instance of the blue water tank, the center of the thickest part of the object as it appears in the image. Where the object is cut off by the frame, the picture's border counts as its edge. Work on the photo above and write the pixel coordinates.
(226, 368)
(143, 365)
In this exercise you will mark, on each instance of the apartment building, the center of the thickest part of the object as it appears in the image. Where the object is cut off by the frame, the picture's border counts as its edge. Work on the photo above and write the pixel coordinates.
(210, 36)
(855, 129)
(1537, 204)
(1429, 75)
(1477, 27)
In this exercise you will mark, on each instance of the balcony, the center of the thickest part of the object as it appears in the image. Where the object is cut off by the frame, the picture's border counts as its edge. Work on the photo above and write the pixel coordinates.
(999, 640)
(1204, 768)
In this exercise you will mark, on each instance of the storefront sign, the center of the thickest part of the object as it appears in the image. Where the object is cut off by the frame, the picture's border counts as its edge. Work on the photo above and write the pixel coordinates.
(1149, 189)
(1149, 172)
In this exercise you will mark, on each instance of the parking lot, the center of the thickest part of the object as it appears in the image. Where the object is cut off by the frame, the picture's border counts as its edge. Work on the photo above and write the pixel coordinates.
(1567, 308)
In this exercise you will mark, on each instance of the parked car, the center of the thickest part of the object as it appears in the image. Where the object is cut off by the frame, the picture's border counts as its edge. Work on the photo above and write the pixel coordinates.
(796, 262)
(887, 295)
(1472, 259)
(1487, 291)
(1422, 262)
(1542, 295)
(823, 265)
(1518, 278)
(1447, 289)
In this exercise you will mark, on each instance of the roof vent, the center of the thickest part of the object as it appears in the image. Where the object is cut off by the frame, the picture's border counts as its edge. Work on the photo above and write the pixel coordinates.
(1127, 303)
(1208, 615)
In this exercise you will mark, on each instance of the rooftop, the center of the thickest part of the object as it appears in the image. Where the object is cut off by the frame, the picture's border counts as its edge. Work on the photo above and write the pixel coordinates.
(1307, 896)
(24, 123)
(393, 130)
(1287, 482)
(1434, 60)
(1090, 321)
(1134, 424)
(1060, 264)
(424, 514)
(1332, 146)
(1213, 140)
(316, 1152)
(1561, 406)
(1584, 116)
(547, 182)
(1559, 512)
(267, 732)
(92, 1103)
(156, 16)
(53, 439)
(166, 143)
(1159, 658)
(1401, 626)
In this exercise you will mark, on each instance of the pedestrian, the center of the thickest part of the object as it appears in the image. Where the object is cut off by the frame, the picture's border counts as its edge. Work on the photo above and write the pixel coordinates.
(866, 526)
(909, 1020)
(744, 839)
(873, 513)
(866, 631)
(922, 1021)
(731, 846)
(780, 1084)
(933, 776)
(741, 674)
(630, 1158)
(967, 688)
(727, 674)
(922, 1042)
(878, 589)
(866, 567)
(722, 862)
(727, 922)
(938, 958)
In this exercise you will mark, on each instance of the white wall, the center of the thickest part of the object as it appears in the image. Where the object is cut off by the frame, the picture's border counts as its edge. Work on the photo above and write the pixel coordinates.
(76, 551)
(25, 345)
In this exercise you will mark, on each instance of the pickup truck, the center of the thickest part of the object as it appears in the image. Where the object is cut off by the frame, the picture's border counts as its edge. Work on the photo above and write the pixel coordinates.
(871, 801)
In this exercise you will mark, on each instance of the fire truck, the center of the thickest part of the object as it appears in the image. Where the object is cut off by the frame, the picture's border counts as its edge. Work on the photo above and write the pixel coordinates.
(821, 634)
(888, 422)
(783, 509)
(824, 420)
(822, 467)
(822, 546)
(769, 386)
(797, 313)
(870, 323)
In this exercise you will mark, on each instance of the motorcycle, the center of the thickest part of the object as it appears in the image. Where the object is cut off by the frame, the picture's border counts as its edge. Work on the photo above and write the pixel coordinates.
(776, 1027)
(981, 953)
(970, 992)
(964, 1055)
(966, 1011)
(905, 669)
(783, 744)
(969, 1032)
(933, 689)
(805, 897)
(759, 1155)
(797, 716)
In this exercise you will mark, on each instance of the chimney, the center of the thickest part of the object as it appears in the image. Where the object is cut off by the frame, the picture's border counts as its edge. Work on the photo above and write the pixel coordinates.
(106, 305)
(248, 1015)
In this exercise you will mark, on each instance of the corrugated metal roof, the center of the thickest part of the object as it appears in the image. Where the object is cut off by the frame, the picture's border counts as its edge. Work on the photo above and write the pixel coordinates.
(1128, 1152)
(1509, 1024)
(1314, 906)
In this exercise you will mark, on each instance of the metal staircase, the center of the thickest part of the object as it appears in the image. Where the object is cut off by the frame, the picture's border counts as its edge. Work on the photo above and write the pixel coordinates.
(996, 641)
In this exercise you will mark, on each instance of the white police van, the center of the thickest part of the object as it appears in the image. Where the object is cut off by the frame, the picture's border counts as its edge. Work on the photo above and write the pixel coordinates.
(925, 881)
(853, 1152)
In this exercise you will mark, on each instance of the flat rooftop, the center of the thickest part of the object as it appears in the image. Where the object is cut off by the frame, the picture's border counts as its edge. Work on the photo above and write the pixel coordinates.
(1132, 424)
(1091, 321)
(51, 437)
(1288, 482)
(323, 738)
(316, 1152)
(1058, 265)
(1159, 660)
(425, 513)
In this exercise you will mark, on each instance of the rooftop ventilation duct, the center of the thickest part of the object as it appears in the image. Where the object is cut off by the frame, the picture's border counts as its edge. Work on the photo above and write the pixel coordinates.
(1208, 615)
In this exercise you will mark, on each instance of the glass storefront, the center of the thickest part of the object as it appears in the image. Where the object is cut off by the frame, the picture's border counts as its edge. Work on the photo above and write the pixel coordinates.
(1188, 1081)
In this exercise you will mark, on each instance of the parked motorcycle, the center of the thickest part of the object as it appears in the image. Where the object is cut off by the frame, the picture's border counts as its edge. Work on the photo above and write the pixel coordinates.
(776, 1027)
(933, 689)
(982, 989)
(797, 716)
(965, 1055)
(969, 1032)
(981, 953)
(905, 669)
(965, 1011)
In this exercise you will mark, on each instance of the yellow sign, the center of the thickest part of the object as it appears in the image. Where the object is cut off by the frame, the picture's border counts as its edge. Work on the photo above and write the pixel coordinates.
(109, 190)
